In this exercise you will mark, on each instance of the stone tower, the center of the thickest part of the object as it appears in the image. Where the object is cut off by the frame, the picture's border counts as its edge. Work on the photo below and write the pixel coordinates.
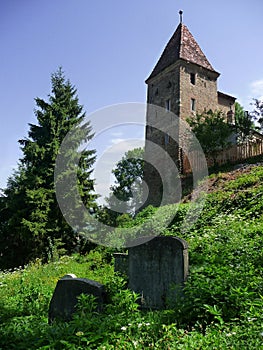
(183, 82)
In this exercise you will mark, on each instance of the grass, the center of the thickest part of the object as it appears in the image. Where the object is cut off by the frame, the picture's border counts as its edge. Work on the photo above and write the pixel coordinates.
(223, 297)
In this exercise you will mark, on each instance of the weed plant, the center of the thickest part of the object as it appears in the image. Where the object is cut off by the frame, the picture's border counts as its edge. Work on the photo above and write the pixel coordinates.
(222, 303)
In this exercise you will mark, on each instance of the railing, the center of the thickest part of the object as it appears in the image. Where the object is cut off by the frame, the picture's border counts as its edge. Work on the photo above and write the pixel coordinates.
(231, 155)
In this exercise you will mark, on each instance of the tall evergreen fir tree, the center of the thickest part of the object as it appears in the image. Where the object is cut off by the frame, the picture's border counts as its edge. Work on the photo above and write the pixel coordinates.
(31, 220)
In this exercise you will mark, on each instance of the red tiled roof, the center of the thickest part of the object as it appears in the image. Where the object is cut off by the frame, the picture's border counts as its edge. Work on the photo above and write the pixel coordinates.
(182, 45)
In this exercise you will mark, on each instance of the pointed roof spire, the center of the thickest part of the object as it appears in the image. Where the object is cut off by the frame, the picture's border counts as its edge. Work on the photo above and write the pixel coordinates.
(181, 16)
(182, 45)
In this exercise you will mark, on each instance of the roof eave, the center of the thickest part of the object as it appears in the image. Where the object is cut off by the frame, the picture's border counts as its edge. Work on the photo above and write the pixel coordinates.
(152, 76)
(229, 97)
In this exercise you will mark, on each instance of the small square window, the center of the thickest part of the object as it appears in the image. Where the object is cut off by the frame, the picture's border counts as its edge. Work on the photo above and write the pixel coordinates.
(192, 78)
(168, 105)
(192, 104)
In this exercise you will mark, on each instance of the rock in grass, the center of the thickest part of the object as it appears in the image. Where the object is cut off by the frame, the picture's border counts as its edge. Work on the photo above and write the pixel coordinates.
(64, 300)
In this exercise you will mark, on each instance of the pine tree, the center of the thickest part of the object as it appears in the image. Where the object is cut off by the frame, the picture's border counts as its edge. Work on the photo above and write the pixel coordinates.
(31, 219)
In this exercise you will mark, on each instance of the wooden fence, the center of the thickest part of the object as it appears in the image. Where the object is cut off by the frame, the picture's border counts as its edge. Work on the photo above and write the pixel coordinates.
(233, 154)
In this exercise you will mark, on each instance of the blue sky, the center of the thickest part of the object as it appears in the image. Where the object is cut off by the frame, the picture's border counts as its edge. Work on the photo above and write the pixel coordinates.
(107, 50)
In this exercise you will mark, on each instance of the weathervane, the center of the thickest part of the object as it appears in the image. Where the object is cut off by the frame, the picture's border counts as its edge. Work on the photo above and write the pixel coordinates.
(181, 16)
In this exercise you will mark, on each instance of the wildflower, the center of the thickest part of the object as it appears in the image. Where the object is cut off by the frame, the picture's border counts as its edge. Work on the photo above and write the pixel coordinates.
(143, 324)
(123, 328)
(79, 334)
(230, 334)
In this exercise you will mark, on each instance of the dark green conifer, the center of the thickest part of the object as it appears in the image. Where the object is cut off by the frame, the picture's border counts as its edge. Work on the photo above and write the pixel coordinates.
(31, 220)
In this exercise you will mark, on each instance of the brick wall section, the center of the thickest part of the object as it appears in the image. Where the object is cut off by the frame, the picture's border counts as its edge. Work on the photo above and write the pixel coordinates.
(174, 84)
(166, 86)
(160, 148)
(225, 103)
(204, 91)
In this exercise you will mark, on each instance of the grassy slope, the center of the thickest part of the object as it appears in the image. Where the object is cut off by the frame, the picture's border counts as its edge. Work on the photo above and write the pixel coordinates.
(223, 303)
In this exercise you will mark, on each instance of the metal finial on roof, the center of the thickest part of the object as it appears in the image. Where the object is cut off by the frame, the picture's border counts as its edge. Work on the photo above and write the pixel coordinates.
(181, 16)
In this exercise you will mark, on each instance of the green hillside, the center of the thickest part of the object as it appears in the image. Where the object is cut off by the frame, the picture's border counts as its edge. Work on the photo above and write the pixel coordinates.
(223, 297)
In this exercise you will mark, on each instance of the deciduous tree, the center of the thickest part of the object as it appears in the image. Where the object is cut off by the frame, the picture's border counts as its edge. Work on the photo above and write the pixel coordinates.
(212, 131)
(126, 194)
(257, 113)
(244, 123)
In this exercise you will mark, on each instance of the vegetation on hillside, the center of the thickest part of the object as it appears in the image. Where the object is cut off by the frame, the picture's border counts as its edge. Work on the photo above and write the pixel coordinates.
(223, 297)
(221, 307)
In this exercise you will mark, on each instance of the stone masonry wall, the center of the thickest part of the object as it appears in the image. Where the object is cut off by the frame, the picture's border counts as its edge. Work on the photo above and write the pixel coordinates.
(224, 105)
(161, 123)
(204, 91)
(165, 87)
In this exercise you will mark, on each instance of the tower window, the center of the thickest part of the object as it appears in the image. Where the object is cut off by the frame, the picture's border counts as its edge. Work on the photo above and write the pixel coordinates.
(168, 105)
(192, 104)
(192, 78)
(166, 139)
(169, 85)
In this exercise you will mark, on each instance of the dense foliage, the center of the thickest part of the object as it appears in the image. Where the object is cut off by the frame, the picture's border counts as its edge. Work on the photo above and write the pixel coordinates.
(128, 173)
(222, 303)
(257, 113)
(126, 194)
(31, 221)
(211, 130)
(244, 124)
